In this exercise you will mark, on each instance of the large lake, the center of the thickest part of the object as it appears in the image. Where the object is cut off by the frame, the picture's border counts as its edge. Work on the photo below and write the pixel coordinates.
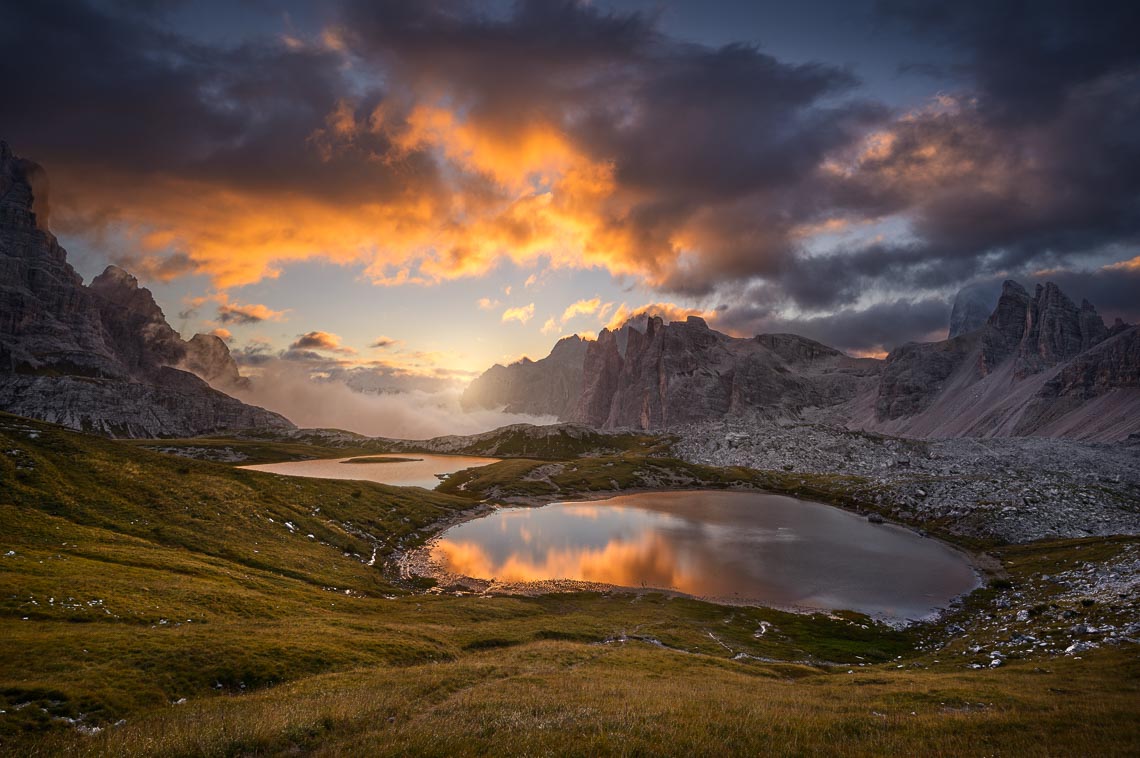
(729, 546)
(416, 473)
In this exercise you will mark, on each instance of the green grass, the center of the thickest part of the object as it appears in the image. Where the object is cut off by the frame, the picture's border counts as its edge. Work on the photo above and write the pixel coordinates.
(130, 580)
(274, 447)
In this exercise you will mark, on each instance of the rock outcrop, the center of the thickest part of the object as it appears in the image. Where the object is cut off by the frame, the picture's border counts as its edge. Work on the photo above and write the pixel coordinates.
(1037, 365)
(684, 372)
(1040, 366)
(549, 386)
(208, 357)
(102, 357)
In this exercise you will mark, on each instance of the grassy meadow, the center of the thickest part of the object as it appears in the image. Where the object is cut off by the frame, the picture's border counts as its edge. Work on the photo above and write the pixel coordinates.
(156, 605)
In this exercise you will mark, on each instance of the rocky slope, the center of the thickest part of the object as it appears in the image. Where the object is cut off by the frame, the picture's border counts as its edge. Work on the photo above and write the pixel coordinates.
(549, 386)
(1011, 490)
(1035, 365)
(100, 357)
(1041, 366)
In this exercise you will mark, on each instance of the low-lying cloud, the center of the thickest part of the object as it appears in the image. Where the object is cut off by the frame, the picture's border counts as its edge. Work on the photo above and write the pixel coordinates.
(289, 389)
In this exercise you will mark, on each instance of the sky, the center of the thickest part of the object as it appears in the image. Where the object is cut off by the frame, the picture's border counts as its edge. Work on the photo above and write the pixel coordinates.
(400, 194)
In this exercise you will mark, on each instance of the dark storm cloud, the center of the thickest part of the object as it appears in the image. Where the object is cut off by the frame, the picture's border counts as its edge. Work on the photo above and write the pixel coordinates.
(1028, 167)
(880, 327)
(701, 137)
(718, 161)
(122, 94)
(1027, 57)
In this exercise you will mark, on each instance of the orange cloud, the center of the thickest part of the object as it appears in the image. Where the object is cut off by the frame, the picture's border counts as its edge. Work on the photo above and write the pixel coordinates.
(1129, 265)
(524, 194)
(667, 311)
(521, 314)
(236, 313)
(582, 307)
(321, 341)
(225, 335)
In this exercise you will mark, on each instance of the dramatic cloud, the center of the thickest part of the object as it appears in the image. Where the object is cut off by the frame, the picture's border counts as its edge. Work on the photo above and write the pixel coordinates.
(430, 141)
(225, 335)
(666, 311)
(321, 341)
(521, 314)
(236, 313)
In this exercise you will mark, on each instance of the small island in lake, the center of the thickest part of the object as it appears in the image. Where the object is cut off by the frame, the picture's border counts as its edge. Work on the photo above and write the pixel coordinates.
(381, 459)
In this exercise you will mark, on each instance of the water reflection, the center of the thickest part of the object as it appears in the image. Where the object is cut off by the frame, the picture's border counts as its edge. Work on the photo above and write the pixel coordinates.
(405, 473)
(725, 545)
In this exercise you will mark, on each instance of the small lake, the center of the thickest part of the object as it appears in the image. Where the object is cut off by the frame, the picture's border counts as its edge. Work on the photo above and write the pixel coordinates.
(739, 547)
(420, 472)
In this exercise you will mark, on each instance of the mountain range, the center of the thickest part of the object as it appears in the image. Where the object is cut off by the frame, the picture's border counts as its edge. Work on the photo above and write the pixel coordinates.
(1026, 365)
(99, 357)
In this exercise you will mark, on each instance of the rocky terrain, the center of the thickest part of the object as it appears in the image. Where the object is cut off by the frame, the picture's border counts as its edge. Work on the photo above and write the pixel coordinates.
(683, 372)
(100, 357)
(1009, 489)
(1031, 365)
(1040, 366)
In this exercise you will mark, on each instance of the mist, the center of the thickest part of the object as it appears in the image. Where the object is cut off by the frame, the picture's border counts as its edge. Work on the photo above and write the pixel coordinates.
(287, 389)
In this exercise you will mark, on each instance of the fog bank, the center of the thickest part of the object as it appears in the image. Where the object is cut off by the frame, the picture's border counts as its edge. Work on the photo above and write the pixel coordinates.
(287, 389)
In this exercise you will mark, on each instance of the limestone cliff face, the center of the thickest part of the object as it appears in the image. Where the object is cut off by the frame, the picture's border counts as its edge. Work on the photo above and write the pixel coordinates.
(208, 357)
(683, 372)
(100, 357)
(549, 386)
(1041, 331)
(1040, 365)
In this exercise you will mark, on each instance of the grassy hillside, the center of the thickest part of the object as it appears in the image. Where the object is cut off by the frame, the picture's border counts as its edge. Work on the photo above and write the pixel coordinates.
(190, 608)
(559, 442)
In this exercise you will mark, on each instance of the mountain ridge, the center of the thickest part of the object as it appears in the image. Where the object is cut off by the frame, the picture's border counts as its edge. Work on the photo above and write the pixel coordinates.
(99, 357)
(1037, 365)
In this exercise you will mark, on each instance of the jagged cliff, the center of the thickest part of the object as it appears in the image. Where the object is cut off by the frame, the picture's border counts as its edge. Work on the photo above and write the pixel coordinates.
(549, 386)
(101, 357)
(1036, 365)
(1041, 365)
(684, 372)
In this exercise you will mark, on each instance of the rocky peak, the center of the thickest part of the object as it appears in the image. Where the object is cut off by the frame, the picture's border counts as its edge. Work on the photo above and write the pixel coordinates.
(549, 386)
(972, 308)
(100, 357)
(23, 192)
(1056, 330)
(208, 356)
(134, 322)
(1041, 331)
(1005, 327)
(572, 348)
